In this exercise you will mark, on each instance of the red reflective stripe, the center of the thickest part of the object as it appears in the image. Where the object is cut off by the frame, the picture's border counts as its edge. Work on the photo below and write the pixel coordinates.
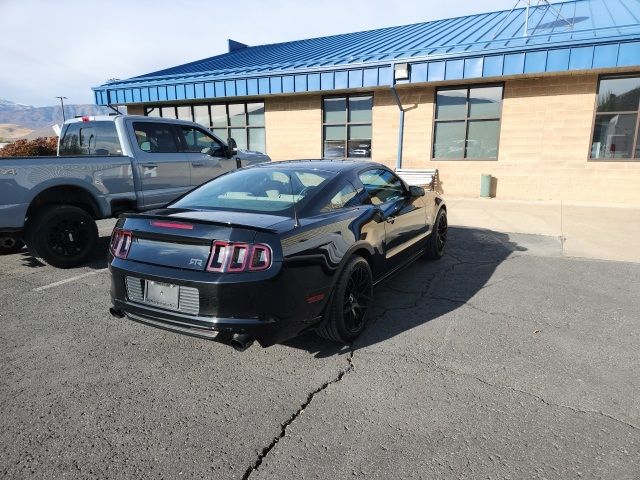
(176, 225)
(315, 298)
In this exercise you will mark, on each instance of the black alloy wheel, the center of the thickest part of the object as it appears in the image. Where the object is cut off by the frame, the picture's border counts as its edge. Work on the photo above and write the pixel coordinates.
(357, 298)
(63, 236)
(438, 238)
(347, 313)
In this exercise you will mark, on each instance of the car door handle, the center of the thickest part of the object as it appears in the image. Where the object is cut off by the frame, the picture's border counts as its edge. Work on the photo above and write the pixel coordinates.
(391, 220)
(150, 165)
(197, 164)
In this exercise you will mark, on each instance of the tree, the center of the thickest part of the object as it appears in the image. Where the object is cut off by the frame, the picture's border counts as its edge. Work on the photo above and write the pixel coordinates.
(40, 147)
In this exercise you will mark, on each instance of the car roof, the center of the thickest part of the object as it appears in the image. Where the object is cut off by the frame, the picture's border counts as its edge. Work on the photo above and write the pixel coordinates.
(321, 164)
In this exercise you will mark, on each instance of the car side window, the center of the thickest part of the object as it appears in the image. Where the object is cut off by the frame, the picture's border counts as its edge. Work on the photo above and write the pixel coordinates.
(382, 185)
(155, 137)
(195, 140)
(345, 197)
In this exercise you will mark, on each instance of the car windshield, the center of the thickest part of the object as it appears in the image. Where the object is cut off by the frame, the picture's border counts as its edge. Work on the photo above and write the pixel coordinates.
(256, 190)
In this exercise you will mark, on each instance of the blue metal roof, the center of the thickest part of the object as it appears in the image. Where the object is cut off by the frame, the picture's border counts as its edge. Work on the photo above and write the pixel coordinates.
(588, 34)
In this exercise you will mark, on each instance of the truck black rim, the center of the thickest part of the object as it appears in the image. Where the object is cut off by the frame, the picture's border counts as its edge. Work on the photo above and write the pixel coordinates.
(68, 238)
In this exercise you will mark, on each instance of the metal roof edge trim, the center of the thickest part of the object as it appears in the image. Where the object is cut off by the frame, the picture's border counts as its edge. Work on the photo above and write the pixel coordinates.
(429, 68)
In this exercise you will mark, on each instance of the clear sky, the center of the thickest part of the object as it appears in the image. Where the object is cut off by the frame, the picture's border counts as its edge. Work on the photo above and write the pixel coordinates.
(65, 47)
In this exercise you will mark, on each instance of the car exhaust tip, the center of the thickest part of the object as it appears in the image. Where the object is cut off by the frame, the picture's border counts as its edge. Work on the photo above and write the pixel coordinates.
(116, 313)
(241, 342)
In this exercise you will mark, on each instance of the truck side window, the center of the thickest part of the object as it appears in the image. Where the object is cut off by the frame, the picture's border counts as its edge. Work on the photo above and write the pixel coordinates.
(155, 137)
(195, 140)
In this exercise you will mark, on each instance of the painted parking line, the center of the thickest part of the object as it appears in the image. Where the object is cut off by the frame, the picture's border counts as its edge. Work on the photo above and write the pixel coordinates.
(69, 280)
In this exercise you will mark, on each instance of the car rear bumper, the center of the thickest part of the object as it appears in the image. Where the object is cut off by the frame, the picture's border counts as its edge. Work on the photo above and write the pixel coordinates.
(265, 332)
(266, 310)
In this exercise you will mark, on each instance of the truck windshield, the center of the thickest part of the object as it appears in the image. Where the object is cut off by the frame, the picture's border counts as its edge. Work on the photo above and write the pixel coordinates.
(256, 190)
(90, 138)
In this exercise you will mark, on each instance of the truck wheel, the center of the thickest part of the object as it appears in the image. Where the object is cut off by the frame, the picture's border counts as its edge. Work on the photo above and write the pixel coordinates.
(347, 314)
(63, 236)
(438, 238)
(10, 244)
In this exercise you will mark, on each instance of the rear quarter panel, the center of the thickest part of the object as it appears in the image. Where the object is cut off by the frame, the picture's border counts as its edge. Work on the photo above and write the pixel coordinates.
(316, 251)
(22, 179)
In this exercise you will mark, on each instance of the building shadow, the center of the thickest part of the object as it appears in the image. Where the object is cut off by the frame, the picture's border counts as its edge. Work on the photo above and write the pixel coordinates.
(425, 290)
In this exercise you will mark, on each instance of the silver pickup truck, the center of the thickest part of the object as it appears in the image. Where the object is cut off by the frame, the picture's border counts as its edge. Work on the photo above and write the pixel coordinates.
(105, 166)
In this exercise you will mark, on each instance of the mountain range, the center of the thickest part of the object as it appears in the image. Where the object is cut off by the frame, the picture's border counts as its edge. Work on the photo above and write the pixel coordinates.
(26, 121)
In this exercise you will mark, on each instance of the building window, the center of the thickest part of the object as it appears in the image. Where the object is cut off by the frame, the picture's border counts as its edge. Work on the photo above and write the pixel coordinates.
(467, 123)
(615, 132)
(242, 121)
(346, 126)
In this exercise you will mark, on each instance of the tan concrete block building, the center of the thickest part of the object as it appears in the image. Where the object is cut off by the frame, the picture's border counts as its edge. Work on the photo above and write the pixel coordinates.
(551, 112)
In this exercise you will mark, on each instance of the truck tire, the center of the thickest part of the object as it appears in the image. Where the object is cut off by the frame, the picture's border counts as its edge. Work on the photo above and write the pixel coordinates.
(62, 236)
(348, 312)
(438, 238)
(10, 244)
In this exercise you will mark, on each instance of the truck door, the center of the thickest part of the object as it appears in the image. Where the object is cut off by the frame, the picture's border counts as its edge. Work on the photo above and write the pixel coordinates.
(163, 172)
(204, 166)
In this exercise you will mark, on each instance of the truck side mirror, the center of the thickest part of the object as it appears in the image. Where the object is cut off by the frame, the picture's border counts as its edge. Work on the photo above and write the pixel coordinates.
(232, 147)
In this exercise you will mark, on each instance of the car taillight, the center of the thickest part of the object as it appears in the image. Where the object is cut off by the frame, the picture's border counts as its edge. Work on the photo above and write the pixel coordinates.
(120, 243)
(238, 257)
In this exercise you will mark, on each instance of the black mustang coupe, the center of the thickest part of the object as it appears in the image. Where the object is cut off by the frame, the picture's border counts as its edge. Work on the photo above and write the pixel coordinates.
(269, 251)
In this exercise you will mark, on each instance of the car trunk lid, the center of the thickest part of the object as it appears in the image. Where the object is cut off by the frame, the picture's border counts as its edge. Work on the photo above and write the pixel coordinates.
(183, 239)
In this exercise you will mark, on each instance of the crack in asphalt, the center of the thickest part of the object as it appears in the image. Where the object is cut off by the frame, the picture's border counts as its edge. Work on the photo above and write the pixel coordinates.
(283, 427)
(533, 395)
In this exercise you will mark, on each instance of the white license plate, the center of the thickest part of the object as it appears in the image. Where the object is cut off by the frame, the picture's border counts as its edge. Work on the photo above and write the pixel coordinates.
(163, 295)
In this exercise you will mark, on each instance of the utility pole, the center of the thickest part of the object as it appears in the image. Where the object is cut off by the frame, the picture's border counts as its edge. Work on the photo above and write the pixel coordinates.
(62, 99)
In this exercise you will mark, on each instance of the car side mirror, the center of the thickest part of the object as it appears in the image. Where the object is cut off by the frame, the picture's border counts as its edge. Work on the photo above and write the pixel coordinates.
(232, 148)
(416, 191)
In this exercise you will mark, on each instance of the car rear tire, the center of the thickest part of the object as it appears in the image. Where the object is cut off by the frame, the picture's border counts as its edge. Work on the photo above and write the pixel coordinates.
(63, 236)
(438, 238)
(348, 312)
(10, 244)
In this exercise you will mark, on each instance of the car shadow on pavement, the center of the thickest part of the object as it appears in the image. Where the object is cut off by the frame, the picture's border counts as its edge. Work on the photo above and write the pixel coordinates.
(425, 290)
(97, 261)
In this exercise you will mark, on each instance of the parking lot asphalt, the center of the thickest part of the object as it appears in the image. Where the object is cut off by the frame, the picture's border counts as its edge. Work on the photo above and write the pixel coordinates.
(502, 360)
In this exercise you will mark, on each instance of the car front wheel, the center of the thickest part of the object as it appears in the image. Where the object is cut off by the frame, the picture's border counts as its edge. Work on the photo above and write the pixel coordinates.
(347, 314)
(438, 238)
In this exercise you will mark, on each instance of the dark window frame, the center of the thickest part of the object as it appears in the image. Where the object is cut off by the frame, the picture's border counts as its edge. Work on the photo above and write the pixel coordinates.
(347, 123)
(636, 139)
(467, 120)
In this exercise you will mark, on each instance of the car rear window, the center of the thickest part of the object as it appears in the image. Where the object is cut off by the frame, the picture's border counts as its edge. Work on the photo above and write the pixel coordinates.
(258, 190)
(90, 138)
